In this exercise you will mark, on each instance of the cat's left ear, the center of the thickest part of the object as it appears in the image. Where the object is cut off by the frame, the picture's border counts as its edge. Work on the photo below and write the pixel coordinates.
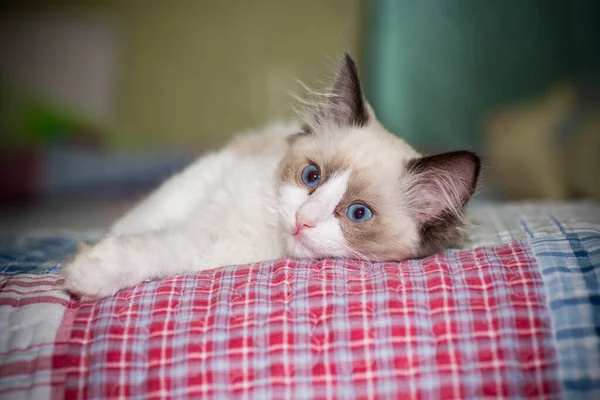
(345, 105)
(441, 185)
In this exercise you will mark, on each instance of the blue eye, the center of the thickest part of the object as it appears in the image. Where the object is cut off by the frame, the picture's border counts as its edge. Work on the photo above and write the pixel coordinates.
(311, 176)
(359, 213)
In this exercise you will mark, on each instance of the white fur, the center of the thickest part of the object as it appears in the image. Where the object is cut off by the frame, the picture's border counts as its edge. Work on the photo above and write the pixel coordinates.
(202, 218)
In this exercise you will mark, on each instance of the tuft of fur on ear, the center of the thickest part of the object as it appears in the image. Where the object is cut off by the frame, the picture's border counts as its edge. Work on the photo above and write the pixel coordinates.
(439, 189)
(344, 105)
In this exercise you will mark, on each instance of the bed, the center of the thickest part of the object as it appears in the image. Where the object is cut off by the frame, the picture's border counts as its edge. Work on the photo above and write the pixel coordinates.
(515, 313)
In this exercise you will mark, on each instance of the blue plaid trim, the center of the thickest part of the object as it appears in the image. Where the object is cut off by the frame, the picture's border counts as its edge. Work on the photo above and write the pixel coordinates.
(571, 272)
(34, 254)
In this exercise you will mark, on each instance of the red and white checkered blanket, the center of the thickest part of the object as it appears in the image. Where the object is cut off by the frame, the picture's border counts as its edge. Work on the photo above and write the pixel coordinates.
(515, 315)
(461, 325)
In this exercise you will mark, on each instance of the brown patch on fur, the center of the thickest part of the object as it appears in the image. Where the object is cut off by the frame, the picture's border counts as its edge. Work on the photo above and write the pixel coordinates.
(332, 166)
(366, 237)
(291, 166)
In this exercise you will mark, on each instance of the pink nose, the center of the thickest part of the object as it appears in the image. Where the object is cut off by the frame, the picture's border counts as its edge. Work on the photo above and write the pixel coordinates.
(303, 223)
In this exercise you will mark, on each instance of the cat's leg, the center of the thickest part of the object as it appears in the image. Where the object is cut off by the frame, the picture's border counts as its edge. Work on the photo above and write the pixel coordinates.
(177, 198)
(117, 262)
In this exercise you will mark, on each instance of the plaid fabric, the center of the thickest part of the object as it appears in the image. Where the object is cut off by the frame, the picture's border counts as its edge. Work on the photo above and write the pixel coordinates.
(518, 319)
(571, 272)
(33, 331)
(461, 325)
(502, 223)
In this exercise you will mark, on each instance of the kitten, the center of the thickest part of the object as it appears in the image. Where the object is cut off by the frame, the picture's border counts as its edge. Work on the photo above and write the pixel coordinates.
(340, 185)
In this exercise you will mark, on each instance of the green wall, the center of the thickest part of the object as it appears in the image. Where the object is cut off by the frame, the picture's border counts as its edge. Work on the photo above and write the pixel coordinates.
(437, 68)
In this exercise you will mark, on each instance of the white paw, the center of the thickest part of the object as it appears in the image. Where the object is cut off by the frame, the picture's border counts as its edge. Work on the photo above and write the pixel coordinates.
(97, 271)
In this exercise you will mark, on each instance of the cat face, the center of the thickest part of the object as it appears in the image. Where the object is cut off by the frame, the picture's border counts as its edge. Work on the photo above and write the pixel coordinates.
(349, 188)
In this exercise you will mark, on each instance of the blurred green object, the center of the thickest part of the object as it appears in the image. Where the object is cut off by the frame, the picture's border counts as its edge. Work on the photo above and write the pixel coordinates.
(435, 68)
(29, 121)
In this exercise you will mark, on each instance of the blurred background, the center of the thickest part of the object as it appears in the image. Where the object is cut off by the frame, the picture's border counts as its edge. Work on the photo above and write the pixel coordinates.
(101, 100)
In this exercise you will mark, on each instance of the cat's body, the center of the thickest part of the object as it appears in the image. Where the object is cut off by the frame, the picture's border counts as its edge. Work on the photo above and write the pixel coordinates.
(339, 186)
(219, 173)
(226, 200)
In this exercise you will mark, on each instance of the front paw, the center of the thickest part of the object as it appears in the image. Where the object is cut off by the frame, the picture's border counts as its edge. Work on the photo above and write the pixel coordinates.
(95, 272)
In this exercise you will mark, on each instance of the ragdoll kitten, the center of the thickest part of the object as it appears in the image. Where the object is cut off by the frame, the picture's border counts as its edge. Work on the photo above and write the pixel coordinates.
(341, 185)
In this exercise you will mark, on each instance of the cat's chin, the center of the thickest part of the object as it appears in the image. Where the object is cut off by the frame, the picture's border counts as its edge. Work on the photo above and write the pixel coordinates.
(301, 247)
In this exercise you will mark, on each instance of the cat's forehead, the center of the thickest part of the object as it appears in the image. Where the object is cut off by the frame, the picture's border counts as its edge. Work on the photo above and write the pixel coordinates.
(372, 156)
